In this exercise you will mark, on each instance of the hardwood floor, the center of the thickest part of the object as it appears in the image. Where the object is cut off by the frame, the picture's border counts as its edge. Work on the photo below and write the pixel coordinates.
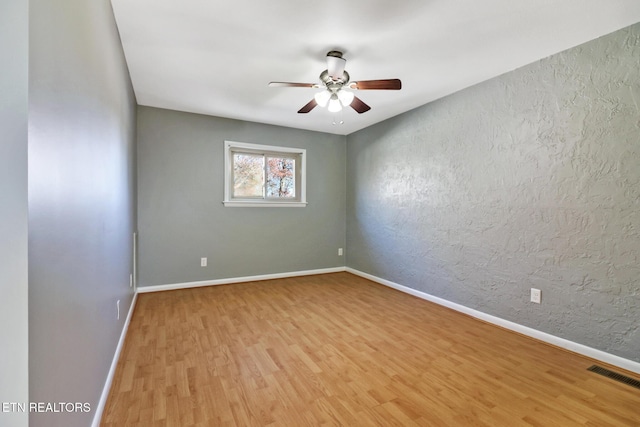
(337, 349)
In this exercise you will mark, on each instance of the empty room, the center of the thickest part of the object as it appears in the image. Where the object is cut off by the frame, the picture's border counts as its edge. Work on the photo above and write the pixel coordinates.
(297, 214)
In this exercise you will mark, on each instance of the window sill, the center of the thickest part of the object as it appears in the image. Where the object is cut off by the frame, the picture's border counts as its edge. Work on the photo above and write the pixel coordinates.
(261, 204)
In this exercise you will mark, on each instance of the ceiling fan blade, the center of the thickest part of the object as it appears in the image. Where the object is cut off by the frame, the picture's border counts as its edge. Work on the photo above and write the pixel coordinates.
(308, 107)
(388, 84)
(358, 105)
(290, 84)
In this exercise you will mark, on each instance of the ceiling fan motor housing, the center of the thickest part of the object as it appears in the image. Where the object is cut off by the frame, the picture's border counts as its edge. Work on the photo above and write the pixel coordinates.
(334, 84)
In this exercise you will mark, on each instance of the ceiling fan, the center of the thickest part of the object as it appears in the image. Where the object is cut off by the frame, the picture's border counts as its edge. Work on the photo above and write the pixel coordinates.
(337, 87)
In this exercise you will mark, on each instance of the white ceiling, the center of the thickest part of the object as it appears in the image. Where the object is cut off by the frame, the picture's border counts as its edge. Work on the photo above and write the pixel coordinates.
(216, 57)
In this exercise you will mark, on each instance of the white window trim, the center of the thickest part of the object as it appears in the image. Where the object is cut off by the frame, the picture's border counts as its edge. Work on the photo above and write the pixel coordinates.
(301, 186)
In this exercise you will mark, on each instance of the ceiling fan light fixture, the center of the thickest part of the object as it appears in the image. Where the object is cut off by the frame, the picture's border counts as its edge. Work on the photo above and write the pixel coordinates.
(322, 98)
(334, 104)
(345, 97)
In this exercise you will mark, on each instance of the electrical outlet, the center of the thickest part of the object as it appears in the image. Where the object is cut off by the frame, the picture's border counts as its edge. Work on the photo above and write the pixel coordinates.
(118, 310)
(203, 262)
(536, 295)
(131, 280)
(340, 251)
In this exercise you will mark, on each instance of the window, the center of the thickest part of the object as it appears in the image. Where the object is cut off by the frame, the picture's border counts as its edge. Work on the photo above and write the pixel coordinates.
(262, 175)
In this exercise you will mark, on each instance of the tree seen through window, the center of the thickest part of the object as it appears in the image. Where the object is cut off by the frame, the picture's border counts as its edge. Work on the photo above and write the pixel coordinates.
(257, 174)
(280, 177)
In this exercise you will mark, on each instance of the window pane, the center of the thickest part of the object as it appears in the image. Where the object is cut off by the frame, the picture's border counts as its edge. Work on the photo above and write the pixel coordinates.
(248, 175)
(281, 177)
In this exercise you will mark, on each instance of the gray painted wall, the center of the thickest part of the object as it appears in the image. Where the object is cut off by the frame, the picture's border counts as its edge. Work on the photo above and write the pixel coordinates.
(180, 213)
(14, 348)
(81, 202)
(531, 179)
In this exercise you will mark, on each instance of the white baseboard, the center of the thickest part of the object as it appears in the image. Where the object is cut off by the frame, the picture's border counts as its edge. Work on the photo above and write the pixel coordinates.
(112, 370)
(584, 350)
(157, 288)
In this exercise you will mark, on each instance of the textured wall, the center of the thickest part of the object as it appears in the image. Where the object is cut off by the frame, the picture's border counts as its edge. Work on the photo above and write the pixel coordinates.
(180, 213)
(81, 202)
(14, 347)
(531, 179)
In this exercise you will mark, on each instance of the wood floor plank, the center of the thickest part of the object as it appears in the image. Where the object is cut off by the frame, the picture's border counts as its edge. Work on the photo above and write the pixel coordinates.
(340, 350)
